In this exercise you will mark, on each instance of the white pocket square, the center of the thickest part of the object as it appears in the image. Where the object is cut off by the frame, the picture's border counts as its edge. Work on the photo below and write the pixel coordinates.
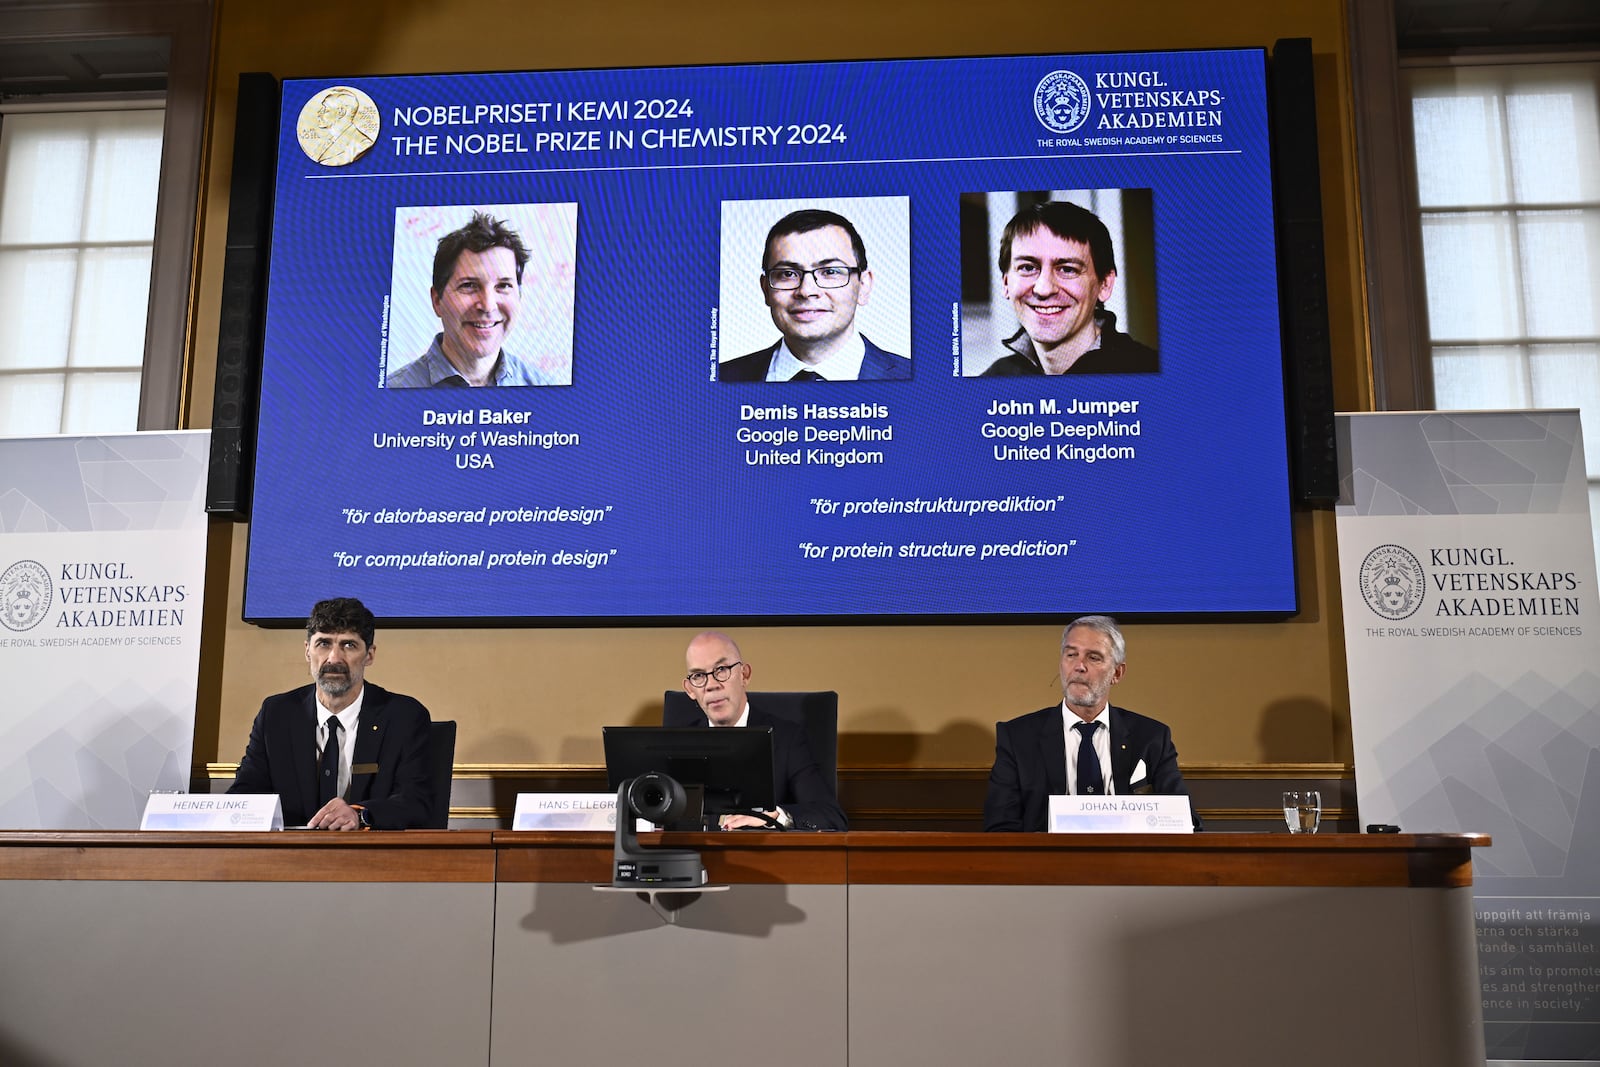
(1139, 774)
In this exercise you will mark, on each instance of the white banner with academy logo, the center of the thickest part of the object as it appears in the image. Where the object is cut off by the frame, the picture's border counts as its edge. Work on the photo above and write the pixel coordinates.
(102, 571)
(1472, 631)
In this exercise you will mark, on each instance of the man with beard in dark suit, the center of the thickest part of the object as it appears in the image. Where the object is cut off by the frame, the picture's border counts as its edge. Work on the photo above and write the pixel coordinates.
(1082, 745)
(341, 753)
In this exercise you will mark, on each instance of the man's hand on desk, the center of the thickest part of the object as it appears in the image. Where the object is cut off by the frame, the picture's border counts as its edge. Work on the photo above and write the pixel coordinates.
(336, 815)
(754, 822)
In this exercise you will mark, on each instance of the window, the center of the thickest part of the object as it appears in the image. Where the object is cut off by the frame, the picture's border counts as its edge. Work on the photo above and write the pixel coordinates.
(1508, 183)
(77, 223)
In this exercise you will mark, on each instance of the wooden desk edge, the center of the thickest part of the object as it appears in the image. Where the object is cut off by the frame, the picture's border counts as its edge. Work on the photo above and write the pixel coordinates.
(288, 856)
(861, 858)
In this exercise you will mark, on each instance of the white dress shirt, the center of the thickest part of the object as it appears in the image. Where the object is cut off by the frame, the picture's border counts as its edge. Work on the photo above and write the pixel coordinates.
(349, 718)
(744, 717)
(1102, 746)
(842, 366)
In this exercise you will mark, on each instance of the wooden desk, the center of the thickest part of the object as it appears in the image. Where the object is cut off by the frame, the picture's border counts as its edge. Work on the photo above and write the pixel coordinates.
(861, 949)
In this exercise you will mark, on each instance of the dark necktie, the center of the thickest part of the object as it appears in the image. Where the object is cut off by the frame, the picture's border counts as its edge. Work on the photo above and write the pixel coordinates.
(1089, 779)
(328, 786)
(807, 376)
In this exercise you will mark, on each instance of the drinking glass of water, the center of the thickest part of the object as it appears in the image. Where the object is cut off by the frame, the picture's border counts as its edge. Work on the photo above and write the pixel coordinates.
(1302, 810)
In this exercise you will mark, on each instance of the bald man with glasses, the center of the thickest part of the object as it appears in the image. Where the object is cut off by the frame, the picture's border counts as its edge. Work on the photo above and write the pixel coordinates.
(814, 277)
(717, 679)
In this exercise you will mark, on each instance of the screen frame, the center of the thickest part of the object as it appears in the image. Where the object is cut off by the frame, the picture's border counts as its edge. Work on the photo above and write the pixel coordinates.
(1290, 504)
(740, 756)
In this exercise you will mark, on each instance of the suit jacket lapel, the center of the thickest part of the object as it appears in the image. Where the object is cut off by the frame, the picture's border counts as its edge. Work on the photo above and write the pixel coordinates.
(1122, 756)
(780, 764)
(369, 740)
(1054, 747)
(871, 362)
(303, 738)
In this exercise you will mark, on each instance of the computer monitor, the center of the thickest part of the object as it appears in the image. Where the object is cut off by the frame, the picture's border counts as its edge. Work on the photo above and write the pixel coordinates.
(731, 767)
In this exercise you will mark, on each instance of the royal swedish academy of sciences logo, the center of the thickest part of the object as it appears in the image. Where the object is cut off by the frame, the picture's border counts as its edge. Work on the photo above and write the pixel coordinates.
(1061, 101)
(25, 594)
(1392, 582)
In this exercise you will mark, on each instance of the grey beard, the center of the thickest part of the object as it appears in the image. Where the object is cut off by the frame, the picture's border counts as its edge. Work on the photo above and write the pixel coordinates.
(334, 684)
(1092, 699)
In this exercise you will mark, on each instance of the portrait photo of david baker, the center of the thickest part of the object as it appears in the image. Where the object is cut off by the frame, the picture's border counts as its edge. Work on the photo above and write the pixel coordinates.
(499, 299)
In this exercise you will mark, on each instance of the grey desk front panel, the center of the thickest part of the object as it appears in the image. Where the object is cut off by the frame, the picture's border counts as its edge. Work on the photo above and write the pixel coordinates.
(860, 949)
(246, 974)
(1129, 976)
(752, 975)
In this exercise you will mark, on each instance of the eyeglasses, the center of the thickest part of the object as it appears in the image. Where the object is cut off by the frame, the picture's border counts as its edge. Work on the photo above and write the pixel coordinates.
(721, 673)
(831, 277)
(1063, 271)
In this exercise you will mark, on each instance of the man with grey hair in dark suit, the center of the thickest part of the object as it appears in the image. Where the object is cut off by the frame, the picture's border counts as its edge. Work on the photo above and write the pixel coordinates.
(1083, 745)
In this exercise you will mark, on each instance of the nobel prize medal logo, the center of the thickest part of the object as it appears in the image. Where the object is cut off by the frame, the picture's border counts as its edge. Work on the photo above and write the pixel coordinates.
(1061, 101)
(338, 126)
(1392, 582)
(25, 594)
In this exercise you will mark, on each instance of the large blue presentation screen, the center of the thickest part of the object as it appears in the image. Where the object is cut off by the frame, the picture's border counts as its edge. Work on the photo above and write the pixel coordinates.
(894, 340)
